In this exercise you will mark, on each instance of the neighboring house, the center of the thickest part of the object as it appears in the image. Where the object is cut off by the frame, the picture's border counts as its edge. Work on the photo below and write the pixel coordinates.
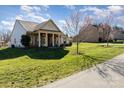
(0, 40)
(42, 34)
(67, 39)
(2, 43)
(118, 33)
(90, 34)
(98, 33)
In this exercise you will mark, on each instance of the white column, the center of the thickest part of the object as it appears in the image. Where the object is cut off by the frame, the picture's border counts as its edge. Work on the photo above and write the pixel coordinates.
(53, 39)
(34, 40)
(39, 40)
(46, 40)
(59, 40)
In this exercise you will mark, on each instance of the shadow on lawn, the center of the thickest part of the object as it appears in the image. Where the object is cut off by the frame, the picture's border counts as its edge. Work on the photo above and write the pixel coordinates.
(35, 53)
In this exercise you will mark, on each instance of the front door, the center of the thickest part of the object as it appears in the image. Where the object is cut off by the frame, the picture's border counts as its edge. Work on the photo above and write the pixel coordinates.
(49, 40)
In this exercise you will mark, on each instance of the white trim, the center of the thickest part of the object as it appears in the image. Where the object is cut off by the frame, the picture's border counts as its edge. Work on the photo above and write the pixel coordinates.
(53, 40)
(46, 40)
(39, 40)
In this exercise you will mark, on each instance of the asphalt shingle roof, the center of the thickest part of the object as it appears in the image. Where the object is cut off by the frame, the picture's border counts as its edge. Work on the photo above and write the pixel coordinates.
(28, 26)
(32, 26)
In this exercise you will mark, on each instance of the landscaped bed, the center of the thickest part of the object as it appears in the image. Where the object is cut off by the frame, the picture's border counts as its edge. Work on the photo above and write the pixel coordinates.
(37, 67)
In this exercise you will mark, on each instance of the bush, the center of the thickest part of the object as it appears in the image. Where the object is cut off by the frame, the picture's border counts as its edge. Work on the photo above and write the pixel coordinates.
(115, 40)
(100, 39)
(25, 40)
(66, 44)
(13, 46)
(70, 44)
(62, 45)
(111, 41)
(56, 45)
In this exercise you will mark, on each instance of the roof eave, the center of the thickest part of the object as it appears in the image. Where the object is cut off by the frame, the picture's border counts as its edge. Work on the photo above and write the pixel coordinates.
(46, 30)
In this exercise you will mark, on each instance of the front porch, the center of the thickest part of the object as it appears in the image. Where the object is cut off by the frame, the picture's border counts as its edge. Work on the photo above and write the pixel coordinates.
(45, 39)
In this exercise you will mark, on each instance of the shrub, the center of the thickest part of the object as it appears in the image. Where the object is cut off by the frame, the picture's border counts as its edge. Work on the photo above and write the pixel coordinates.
(13, 46)
(115, 40)
(62, 45)
(70, 44)
(25, 40)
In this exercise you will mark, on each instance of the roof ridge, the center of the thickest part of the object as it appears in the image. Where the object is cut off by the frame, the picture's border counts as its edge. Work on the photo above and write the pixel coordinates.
(27, 21)
(45, 22)
(33, 26)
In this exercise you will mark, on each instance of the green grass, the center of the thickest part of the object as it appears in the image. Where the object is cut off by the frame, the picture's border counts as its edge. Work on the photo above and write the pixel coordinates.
(37, 67)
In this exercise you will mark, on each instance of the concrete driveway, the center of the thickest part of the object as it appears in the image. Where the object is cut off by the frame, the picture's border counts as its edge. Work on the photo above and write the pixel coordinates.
(106, 75)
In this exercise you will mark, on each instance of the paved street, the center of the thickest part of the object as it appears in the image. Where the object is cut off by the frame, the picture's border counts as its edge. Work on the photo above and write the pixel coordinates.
(108, 74)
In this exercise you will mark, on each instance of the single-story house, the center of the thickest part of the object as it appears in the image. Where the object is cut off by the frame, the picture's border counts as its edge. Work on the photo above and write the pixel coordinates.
(45, 34)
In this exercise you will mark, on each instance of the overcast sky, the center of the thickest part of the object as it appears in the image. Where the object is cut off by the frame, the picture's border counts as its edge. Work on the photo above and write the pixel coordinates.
(8, 14)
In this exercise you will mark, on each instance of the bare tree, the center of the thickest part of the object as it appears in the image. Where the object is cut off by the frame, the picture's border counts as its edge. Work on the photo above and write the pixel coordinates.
(85, 26)
(76, 23)
(107, 28)
(5, 36)
(73, 26)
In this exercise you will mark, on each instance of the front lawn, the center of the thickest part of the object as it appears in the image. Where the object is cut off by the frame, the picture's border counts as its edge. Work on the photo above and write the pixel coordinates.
(37, 67)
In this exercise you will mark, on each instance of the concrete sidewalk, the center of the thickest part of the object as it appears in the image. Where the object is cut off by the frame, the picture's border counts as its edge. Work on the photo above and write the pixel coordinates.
(108, 74)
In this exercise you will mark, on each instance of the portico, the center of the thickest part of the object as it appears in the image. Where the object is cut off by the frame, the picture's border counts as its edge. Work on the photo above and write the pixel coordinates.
(46, 39)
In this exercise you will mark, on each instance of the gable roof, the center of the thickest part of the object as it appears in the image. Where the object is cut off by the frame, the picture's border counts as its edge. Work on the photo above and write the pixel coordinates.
(33, 26)
(41, 25)
(44, 24)
(28, 25)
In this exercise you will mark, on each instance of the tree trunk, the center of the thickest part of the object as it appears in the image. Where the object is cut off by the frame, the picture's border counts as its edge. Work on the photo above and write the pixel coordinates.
(77, 45)
(107, 39)
(107, 43)
(77, 48)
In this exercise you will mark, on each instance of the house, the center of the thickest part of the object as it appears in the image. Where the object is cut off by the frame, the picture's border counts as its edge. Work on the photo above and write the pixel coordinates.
(2, 42)
(42, 34)
(118, 33)
(98, 33)
(89, 34)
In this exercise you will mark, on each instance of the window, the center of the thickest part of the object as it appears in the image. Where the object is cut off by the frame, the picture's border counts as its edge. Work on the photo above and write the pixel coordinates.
(15, 40)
